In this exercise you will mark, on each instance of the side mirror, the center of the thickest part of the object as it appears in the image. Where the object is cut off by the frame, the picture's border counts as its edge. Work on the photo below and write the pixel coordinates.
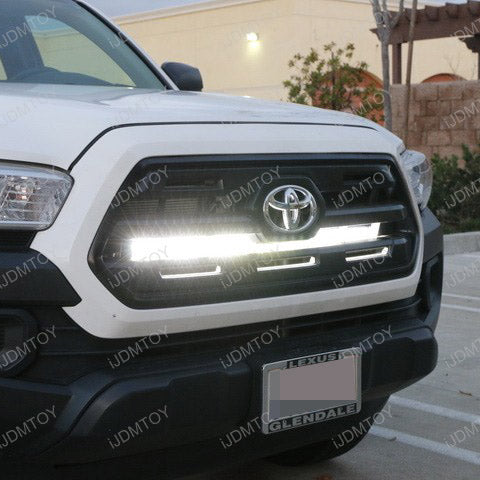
(184, 76)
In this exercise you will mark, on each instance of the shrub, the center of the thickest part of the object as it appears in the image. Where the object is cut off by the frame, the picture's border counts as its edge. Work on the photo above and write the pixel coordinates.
(331, 81)
(456, 191)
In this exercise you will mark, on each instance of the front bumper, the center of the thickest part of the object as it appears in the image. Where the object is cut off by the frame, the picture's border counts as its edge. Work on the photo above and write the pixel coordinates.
(205, 401)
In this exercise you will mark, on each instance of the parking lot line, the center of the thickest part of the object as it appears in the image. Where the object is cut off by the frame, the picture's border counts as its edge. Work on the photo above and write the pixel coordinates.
(420, 442)
(460, 307)
(463, 297)
(435, 409)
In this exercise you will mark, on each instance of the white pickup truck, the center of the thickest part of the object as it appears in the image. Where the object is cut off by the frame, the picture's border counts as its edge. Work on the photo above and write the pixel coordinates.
(191, 280)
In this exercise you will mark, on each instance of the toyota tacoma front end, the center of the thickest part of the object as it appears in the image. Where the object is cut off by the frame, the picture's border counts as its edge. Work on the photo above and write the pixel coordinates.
(189, 279)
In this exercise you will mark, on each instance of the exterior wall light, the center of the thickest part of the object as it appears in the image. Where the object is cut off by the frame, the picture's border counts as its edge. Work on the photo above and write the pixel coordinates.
(252, 37)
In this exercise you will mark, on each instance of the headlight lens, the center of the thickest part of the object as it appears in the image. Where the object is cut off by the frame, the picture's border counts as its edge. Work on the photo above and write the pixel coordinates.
(31, 197)
(419, 169)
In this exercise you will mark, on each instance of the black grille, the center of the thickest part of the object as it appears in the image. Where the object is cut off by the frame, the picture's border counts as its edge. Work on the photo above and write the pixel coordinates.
(200, 196)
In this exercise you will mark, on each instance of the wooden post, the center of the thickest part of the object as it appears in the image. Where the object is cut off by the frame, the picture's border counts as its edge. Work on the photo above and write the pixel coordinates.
(397, 62)
(473, 43)
(478, 62)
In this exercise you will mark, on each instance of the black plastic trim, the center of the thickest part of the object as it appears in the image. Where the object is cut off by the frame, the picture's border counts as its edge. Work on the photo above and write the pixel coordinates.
(29, 278)
(433, 234)
(26, 328)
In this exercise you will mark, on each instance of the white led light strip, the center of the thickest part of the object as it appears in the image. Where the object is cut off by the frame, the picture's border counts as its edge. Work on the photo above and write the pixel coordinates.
(181, 248)
(171, 276)
(359, 257)
(309, 263)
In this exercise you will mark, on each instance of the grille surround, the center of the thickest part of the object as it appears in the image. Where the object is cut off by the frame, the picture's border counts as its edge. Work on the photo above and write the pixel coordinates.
(179, 292)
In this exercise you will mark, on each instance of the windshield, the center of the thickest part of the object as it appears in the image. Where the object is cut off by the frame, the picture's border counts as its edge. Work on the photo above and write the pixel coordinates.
(60, 42)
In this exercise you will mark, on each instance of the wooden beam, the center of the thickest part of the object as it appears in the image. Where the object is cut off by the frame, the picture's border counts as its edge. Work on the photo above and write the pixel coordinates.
(474, 7)
(434, 30)
(439, 22)
(397, 63)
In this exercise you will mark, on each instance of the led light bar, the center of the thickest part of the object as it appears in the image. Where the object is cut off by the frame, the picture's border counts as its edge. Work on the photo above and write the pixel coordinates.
(31, 197)
(178, 248)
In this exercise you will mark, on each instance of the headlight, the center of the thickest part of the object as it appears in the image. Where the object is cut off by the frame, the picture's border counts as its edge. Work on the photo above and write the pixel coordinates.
(420, 174)
(31, 197)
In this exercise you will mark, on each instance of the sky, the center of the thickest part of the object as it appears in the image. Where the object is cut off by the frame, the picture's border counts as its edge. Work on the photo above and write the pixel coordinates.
(123, 7)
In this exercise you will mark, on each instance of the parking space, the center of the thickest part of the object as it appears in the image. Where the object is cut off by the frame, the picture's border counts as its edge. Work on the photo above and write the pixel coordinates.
(433, 429)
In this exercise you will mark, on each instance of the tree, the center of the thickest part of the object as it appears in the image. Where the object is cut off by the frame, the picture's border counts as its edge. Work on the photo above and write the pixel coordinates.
(333, 82)
(411, 36)
(386, 21)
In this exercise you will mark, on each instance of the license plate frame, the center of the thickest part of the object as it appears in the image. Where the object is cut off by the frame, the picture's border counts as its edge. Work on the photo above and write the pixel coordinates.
(277, 413)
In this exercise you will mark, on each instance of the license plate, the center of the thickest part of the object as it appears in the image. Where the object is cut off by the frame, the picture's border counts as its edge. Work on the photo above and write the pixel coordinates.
(312, 389)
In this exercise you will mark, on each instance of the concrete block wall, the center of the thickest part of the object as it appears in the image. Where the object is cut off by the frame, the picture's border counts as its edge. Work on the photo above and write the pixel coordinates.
(443, 116)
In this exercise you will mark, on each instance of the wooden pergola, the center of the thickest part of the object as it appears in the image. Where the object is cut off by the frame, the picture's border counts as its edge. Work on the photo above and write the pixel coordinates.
(452, 20)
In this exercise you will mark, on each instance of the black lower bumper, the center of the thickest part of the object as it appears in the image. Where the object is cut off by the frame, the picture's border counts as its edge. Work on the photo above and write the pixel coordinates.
(175, 405)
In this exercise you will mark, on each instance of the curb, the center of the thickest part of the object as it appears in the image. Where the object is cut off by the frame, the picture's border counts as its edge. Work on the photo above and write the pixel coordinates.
(457, 243)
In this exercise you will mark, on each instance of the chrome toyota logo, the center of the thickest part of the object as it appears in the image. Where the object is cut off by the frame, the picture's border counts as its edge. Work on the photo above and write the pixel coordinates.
(290, 208)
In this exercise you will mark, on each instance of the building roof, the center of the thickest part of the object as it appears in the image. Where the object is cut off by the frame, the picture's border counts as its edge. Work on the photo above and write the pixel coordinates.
(126, 10)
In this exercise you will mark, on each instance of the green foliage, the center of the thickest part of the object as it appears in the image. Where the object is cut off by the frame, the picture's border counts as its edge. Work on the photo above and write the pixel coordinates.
(456, 191)
(333, 82)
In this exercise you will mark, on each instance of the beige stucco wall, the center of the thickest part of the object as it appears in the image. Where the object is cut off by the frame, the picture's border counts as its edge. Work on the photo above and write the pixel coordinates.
(215, 41)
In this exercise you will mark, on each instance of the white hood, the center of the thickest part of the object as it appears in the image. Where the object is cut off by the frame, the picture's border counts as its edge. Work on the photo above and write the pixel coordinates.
(54, 124)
